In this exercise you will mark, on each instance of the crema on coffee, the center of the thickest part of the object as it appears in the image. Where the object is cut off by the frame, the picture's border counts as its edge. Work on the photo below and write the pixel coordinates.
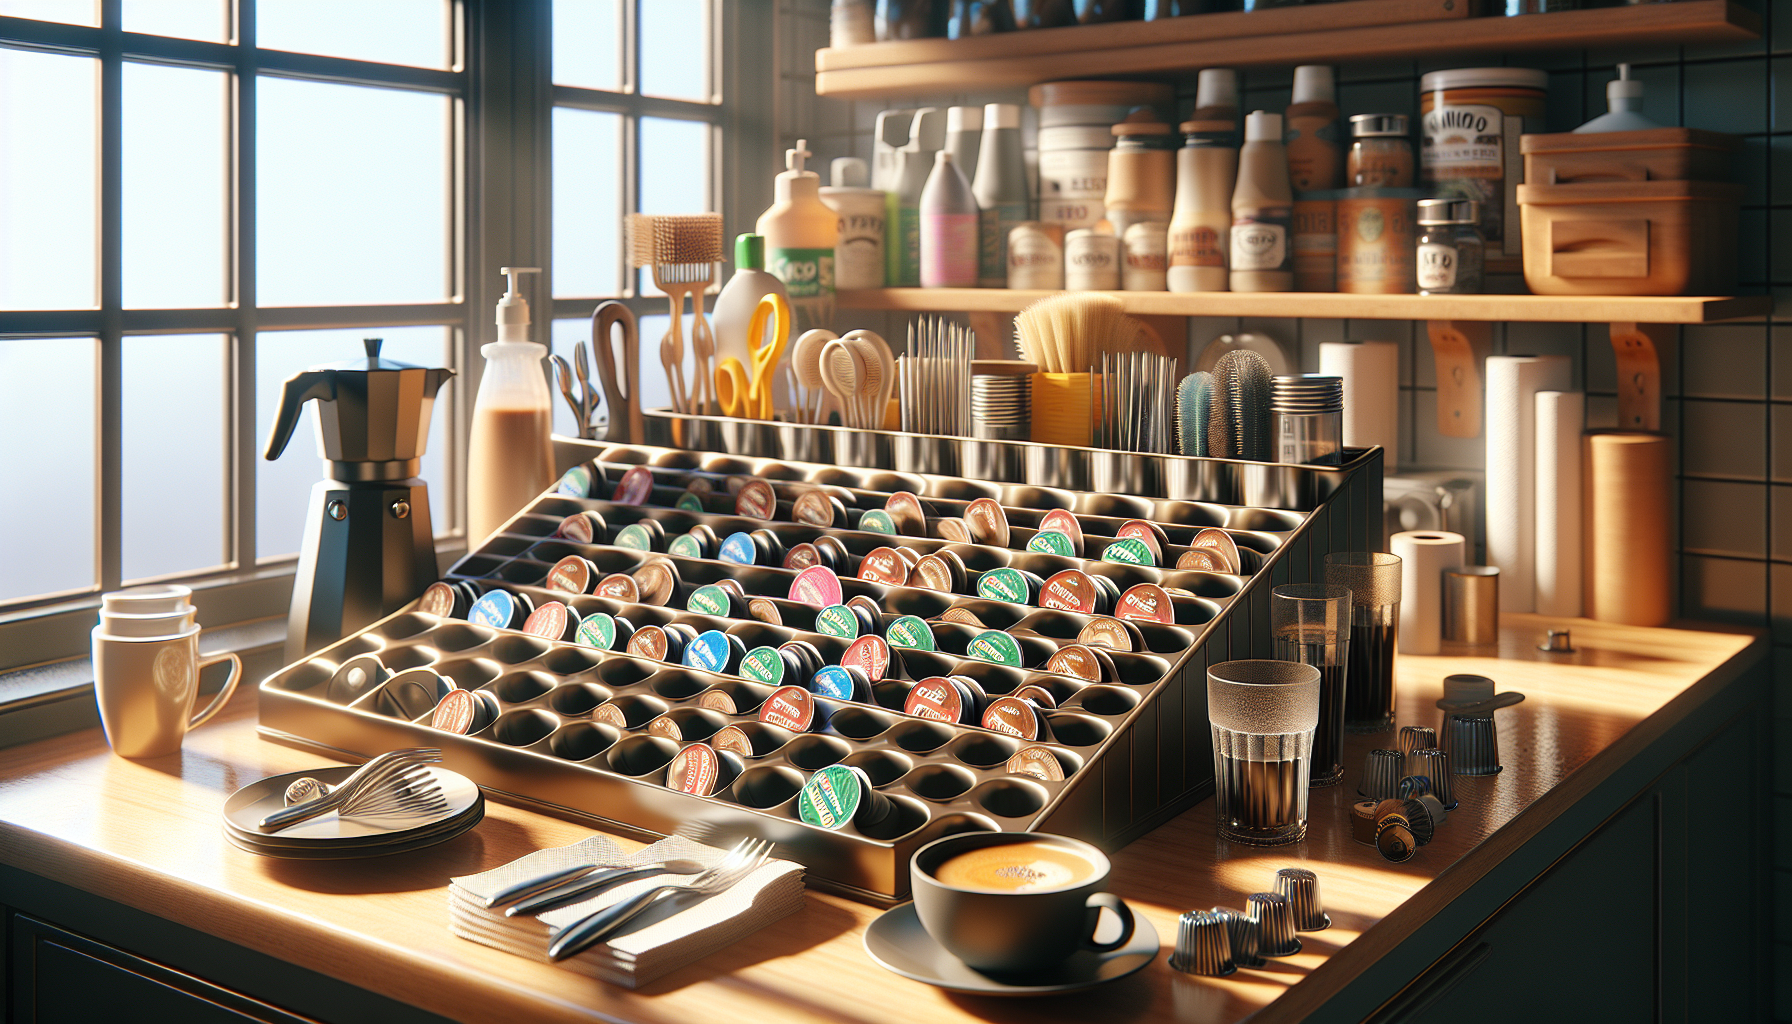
(1016, 867)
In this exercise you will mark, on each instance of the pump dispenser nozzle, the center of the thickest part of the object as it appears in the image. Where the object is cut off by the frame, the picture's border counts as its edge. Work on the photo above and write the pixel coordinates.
(513, 309)
(1624, 98)
(794, 159)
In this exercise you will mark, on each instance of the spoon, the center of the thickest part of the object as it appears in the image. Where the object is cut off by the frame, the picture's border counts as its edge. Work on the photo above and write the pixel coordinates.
(887, 359)
(871, 382)
(565, 892)
(672, 358)
(805, 368)
(843, 367)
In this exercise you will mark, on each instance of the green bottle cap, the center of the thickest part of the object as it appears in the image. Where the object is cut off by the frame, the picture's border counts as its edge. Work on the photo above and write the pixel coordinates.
(749, 252)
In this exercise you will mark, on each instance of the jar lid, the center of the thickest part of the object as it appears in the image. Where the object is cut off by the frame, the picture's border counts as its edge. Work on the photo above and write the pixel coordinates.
(1364, 126)
(1205, 125)
(1142, 121)
(1449, 211)
(1469, 78)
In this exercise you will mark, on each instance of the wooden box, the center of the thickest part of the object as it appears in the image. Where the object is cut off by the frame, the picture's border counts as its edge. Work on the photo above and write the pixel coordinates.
(1630, 237)
(1660, 154)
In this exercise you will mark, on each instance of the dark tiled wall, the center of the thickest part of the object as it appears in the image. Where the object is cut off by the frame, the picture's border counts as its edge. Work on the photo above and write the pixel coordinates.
(1727, 387)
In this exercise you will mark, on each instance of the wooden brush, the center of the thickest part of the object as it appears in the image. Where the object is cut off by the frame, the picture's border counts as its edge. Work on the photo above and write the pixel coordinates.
(1068, 332)
(682, 252)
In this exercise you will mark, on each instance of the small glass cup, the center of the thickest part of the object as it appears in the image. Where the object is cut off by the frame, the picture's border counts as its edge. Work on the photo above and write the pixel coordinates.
(1310, 625)
(1374, 581)
(1263, 715)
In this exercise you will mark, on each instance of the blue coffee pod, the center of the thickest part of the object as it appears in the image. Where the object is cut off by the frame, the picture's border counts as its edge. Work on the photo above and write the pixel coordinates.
(498, 608)
(841, 683)
(739, 549)
(714, 651)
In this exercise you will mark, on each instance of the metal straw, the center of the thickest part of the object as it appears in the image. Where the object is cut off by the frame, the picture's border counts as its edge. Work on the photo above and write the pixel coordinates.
(936, 378)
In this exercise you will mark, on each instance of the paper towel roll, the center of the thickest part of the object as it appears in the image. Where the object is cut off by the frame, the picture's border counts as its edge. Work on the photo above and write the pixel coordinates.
(1371, 373)
(1511, 417)
(1561, 418)
(1424, 557)
(1629, 534)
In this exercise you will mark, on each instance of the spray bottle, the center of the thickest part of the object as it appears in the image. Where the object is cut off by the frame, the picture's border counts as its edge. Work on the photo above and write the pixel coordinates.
(510, 455)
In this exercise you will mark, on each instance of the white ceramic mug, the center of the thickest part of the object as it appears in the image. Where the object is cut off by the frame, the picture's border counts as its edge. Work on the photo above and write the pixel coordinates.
(146, 687)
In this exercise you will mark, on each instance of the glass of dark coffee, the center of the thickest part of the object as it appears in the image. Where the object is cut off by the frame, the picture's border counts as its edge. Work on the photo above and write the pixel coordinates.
(1310, 625)
(1374, 581)
(1263, 714)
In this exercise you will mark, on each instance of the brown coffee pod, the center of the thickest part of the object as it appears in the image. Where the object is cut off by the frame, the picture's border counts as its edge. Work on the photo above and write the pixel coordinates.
(718, 699)
(442, 600)
(1215, 539)
(658, 581)
(693, 728)
(609, 713)
(571, 575)
(1015, 717)
(1146, 602)
(756, 500)
(458, 712)
(802, 556)
(909, 555)
(733, 586)
(940, 699)
(701, 486)
(1148, 532)
(635, 486)
(789, 707)
(651, 642)
(699, 770)
(1203, 560)
(1065, 522)
(1082, 662)
(907, 513)
(1362, 822)
(868, 605)
(1072, 590)
(1039, 762)
(941, 571)
(587, 527)
(988, 522)
(553, 620)
(955, 530)
(734, 740)
(884, 565)
(1112, 634)
(735, 482)
(619, 587)
(818, 508)
(963, 616)
(765, 610)
(1037, 694)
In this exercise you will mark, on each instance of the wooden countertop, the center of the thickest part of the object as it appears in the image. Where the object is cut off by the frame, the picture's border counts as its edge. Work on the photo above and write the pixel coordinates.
(146, 834)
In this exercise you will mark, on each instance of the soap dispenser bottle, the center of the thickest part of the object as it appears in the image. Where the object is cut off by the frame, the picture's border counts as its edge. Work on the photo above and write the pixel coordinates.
(1624, 97)
(510, 455)
(800, 234)
(739, 298)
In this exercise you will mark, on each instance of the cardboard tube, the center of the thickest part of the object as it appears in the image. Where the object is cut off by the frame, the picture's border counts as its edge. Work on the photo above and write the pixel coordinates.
(1064, 408)
(1629, 528)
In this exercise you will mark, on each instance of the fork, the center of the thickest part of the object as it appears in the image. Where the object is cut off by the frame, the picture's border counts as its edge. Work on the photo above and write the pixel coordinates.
(583, 933)
(393, 767)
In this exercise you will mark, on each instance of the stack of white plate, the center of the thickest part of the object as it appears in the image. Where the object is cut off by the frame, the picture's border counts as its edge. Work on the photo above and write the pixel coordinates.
(332, 837)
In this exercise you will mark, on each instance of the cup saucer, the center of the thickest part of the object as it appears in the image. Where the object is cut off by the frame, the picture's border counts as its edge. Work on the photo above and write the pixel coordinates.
(899, 944)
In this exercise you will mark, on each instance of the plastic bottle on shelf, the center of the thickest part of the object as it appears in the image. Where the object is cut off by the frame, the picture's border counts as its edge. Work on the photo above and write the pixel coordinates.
(949, 215)
(1311, 131)
(859, 253)
(1000, 188)
(800, 234)
(964, 136)
(902, 237)
(1201, 229)
(510, 453)
(1624, 100)
(1262, 253)
(739, 297)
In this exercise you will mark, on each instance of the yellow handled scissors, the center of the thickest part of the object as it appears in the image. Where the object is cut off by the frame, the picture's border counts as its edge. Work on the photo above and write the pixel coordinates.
(732, 386)
(765, 355)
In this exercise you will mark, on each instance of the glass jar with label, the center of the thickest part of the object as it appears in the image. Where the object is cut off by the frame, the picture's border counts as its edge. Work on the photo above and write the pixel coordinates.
(1451, 252)
(1380, 152)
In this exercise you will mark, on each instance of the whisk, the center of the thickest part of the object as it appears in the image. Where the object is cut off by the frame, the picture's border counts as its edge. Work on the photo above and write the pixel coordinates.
(936, 378)
(375, 783)
(1136, 401)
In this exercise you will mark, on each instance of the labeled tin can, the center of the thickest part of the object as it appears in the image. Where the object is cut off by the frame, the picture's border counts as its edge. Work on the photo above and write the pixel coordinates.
(1036, 257)
(1375, 241)
(1471, 120)
(1091, 261)
(1316, 242)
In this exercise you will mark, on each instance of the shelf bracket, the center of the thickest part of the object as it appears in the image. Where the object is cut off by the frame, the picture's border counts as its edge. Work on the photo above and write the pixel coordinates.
(1460, 348)
(1638, 348)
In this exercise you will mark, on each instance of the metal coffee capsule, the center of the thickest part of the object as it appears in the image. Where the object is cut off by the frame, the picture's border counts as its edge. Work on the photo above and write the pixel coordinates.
(1073, 590)
(1082, 662)
(1147, 602)
(1112, 634)
(943, 571)
(1015, 717)
(1148, 533)
(689, 501)
(988, 522)
(954, 529)
(765, 665)
(698, 542)
(458, 712)
(620, 715)
(660, 643)
(802, 556)
(942, 699)
(739, 548)
(743, 743)
(571, 575)
(964, 616)
(1052, 542)
(357, 677)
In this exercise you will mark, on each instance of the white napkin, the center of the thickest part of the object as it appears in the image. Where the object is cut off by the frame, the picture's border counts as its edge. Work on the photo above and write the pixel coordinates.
(639, 956)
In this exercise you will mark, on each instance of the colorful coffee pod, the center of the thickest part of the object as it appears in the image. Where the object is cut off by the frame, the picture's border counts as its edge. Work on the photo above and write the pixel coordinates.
(636, 537)
(1112, 634)
(1052, 542)
(571, 575)
(839, 795)
(620, 715)
(1038, 762)
(1203, 560)
(907, 514)
(1015, 717)
(1362, 821)
(1148, 533)
(941, 699)
(963, 616)
(756, 500)
(801, 556)
(886, 566)
(953, 529)
(689, 501)
(818, 508)
(724, 700)
(501, 609)
(618, 586)
(445, 601)
(841, 682)
(995, 647)
(575, 482)
(634, 487)
(553, 620)
(988, 521)
(1073, 590)
(766, 665)
(942, 571)
(739, 548)
(458, 712)
(1014, 586)
(869, 654)
(765, 610)
(598, 630)
(1080, 661)
(817, 587)
(1215, 539)
(658, 581)
(910, 633)
(844, 621)
(1129, 551)
(700, 770)
(587, 527)
(357, 677)
(1063, 521)
(1146, 602)
(715, 651)
(660, 643)
(732, 739)
(711, 599)
(789, 707)
(876, 520)
(697, 542)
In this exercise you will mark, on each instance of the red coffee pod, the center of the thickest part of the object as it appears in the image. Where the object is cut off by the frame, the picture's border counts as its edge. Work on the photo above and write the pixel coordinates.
(571, 575)
(650, 642)
(1066, 523)
(1039, 762)
(886, 566)
(1113, 634)
(1082, 662)
(955, 530)
(1148, 533)
(1203, 560)
(869, 654)
(939, 698)
(1146, 602)
(443, 600)
(552, 621)
(1015, 717)
(756, 500)
(619, 587)
(942, 571)
(907, 513)
(658, 581)
(817, 587)
(988, 522)
(789, 707)
(802, 556)
(1219, 540)
(1037, 694)
(457, 712)
(634, 487)
(1071, 590)
(699, 770)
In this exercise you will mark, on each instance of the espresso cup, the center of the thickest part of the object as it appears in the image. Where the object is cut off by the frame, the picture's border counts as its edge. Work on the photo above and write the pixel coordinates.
(1024, 930)
(146, 688)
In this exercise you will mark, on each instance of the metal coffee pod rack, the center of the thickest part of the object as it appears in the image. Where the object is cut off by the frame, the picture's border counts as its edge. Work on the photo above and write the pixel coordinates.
(1134, 749)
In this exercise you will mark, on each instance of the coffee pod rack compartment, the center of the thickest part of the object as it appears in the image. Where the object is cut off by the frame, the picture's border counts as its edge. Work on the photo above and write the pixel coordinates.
(1134, 749)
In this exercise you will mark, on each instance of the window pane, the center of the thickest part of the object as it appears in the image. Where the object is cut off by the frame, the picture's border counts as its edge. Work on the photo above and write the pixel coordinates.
(675, 49)
(74, 12)
(187, 19)
(587, 201)
(283, 487)
(47, 413)
(175, 220)
(674, 172)
(567, 334)
(173, 498)
(389, 31)
(656, 390)
(588, 44)
(352, 194)
(49, 183)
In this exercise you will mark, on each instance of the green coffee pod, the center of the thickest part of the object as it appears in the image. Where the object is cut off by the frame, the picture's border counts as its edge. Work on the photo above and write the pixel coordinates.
(910, 632)
(1129, 551)
(995, 647)
(876, 520)
(1051, 542)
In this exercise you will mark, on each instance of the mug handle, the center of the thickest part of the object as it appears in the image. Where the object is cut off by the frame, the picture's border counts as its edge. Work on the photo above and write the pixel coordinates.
(1107, 899)
(236, 673)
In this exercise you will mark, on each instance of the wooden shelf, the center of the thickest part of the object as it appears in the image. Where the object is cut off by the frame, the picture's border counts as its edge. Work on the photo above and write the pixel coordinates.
(1664, 309)
(1355, 30)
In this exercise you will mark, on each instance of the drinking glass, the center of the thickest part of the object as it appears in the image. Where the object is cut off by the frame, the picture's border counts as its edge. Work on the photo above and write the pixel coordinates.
(1310, 625)
(1263, 715)
(1374, 581)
